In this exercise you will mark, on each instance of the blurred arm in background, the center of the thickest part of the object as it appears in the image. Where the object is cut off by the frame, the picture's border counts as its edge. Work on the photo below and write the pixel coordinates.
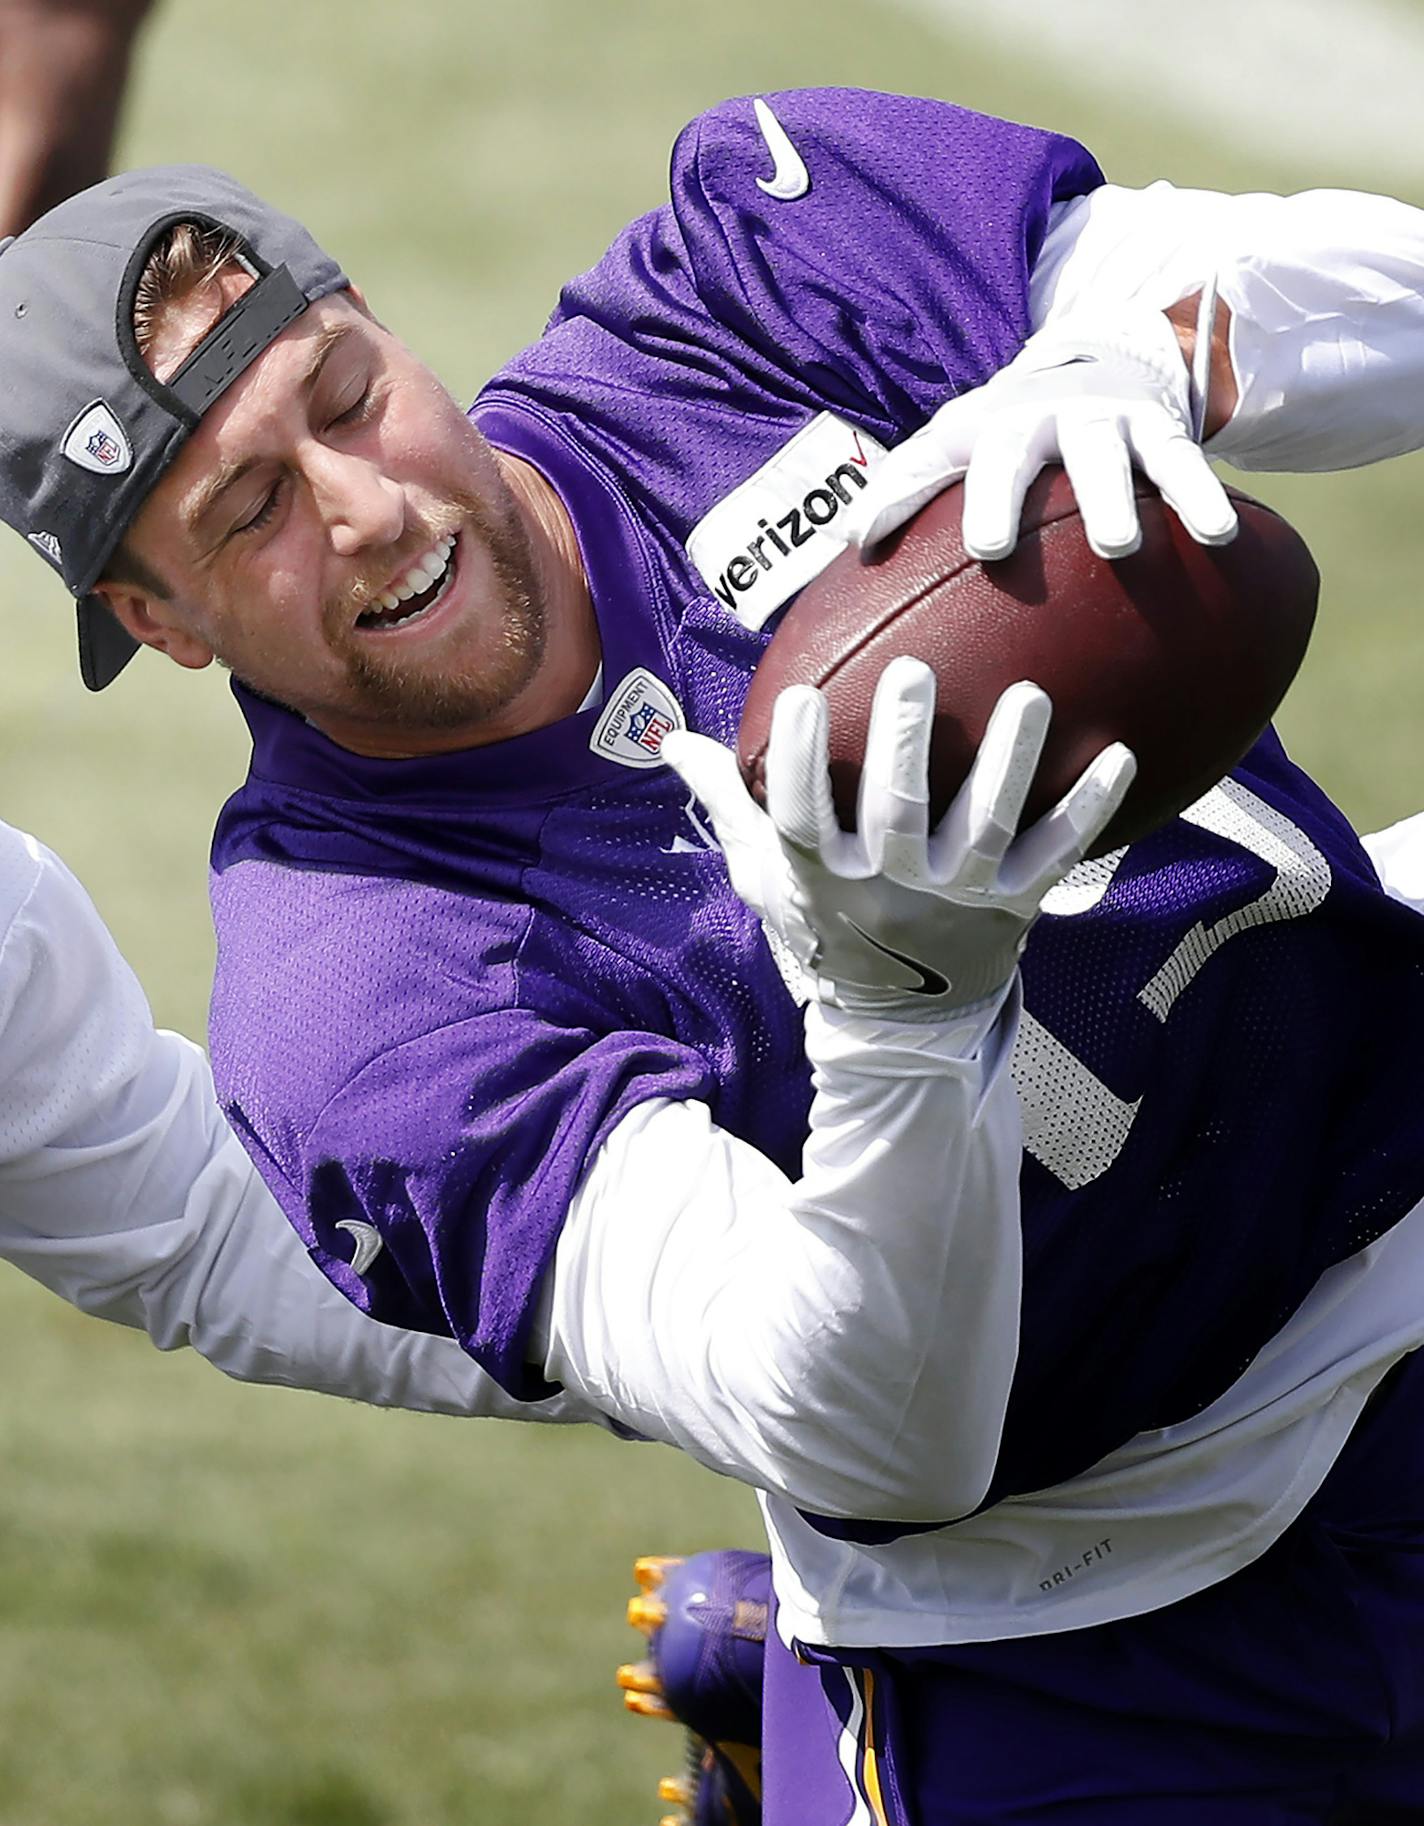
(63, 66)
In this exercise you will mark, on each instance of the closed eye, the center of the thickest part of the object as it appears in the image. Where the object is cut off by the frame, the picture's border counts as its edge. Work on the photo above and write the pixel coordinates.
(263, 512)
(355, 412)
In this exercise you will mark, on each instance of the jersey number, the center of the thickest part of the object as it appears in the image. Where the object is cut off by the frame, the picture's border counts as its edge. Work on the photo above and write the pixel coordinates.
(1073, 1124)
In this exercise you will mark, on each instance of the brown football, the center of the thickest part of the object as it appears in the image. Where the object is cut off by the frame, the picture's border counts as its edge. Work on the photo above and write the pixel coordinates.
(1183, 651)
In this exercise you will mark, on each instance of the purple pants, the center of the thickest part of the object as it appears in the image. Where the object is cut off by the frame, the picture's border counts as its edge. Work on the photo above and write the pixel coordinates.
(1291, 1694)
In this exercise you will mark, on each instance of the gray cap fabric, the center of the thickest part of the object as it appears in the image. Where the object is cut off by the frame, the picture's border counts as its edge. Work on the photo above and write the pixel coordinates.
(85, 429)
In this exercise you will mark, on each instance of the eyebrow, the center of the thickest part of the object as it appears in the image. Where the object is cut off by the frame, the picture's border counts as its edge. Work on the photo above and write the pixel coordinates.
(214, 486)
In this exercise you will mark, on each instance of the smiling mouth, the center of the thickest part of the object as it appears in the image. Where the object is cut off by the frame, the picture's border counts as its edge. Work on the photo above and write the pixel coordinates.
(416, 592)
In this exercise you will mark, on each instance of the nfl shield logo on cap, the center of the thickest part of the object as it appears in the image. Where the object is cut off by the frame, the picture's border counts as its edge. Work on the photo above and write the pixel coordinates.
(96, 441)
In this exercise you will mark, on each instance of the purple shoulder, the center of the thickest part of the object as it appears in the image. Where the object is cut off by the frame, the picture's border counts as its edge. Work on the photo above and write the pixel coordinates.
(944, 208)
(422, 1108)
(760, 150)
(878, 247)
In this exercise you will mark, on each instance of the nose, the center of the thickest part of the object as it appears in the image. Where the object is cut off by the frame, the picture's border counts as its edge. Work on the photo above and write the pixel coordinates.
(360, 506)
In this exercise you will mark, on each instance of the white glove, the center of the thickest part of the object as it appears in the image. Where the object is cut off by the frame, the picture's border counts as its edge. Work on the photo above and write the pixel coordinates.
(893, 921)
(1098, 394)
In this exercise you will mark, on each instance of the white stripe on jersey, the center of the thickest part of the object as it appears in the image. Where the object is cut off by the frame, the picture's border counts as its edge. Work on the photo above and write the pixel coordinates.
(850, 1748)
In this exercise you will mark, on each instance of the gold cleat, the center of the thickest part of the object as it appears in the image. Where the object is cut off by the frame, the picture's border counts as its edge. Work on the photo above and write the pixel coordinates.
(642, 1690)
(646, 1614)
(639, 1677)
(653, 1568)
(677, 1613)
(649, 1705)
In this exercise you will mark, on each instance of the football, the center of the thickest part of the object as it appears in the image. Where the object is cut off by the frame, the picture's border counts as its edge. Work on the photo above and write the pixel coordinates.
(1182, 651)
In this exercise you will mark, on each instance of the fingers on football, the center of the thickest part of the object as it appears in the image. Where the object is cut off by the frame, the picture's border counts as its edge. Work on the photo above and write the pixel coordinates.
(1044, 854)
(893, 814)
(890, 501)
(1186, 480)
(710, 772)
(1099, 465)
(798, 787)
(1007, 457)
(913, 473)
(969, 845)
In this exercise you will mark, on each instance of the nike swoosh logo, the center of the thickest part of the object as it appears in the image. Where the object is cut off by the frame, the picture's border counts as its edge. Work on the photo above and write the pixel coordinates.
(790, 178)
(930, 981)
(368, 1242)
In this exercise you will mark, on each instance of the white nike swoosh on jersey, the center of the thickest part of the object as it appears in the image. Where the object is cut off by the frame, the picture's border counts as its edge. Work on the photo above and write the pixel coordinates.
(790, 179)
(368, 1240)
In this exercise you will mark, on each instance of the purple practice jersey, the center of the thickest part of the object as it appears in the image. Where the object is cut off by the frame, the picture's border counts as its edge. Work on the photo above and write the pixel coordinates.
(443, 981)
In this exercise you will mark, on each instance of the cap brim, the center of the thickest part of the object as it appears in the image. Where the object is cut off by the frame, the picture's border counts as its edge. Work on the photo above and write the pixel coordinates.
(104, 647)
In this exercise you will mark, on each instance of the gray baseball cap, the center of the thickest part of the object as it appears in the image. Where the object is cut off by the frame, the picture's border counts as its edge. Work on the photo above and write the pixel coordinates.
(85, 428)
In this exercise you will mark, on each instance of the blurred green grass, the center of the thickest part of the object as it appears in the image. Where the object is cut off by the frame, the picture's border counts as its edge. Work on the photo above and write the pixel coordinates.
(225, 1605)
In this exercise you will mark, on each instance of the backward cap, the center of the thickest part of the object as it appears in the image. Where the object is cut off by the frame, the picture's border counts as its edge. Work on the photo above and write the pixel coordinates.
(86, 431)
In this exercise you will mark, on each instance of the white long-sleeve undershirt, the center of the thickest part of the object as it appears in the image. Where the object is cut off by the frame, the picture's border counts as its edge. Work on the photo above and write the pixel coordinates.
(1326, 292)
(846, 1340)
(793, 1336)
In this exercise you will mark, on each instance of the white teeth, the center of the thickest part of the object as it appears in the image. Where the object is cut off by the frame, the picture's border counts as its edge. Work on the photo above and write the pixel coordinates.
(425, 571)
(422, 573)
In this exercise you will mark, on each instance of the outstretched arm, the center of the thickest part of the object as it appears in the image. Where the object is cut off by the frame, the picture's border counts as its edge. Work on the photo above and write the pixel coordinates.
(123, 1189)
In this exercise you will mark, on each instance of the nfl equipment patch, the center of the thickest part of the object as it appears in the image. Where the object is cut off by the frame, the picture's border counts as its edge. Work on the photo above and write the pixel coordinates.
(641, 710)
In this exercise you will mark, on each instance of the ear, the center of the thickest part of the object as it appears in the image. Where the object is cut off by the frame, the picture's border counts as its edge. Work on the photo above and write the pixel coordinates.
(362, 304)
(150, 621)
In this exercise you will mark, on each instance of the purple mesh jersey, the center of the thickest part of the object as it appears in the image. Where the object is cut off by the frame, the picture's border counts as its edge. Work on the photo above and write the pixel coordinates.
(442, 982)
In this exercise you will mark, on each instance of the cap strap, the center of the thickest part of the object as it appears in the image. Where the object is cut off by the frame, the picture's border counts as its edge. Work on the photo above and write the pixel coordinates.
(256, 320)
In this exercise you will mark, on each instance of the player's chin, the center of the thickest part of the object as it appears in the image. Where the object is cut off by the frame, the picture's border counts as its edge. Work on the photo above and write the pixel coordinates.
(430, 689)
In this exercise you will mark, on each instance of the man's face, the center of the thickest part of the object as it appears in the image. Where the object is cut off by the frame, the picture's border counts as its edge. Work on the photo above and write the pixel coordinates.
(340, 535)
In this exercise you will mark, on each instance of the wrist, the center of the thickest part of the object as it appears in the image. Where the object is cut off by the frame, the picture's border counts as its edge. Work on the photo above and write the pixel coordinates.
(1221, 387)
(895, 1042)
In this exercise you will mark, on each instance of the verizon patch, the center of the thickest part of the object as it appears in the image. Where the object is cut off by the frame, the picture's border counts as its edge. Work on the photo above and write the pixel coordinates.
(776, 531)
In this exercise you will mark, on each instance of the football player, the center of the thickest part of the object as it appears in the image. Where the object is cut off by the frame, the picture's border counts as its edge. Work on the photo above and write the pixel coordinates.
(1070, 1344)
